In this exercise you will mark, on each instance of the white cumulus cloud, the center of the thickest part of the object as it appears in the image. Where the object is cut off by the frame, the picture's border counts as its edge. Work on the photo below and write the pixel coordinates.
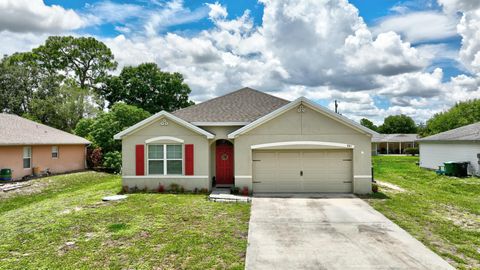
(37, 17)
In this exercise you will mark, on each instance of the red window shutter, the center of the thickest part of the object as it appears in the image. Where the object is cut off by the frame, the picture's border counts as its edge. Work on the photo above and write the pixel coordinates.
(188, 159)
(140, 159)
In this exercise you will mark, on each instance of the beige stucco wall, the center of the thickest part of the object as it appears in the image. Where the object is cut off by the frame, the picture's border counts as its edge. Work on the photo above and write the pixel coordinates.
(70, 158)
(201, 154)
(308, 126)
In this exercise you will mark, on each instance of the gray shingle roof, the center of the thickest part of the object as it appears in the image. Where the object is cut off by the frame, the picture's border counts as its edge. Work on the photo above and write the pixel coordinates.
(15, 130)
(465, 133)
(244, 105)
(394, 138)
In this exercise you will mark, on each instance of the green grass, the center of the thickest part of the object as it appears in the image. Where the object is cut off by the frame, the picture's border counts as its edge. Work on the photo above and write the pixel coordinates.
(442, 212)
(60, 223)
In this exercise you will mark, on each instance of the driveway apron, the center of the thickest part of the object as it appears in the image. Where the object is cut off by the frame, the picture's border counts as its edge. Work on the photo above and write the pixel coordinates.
(330, 233)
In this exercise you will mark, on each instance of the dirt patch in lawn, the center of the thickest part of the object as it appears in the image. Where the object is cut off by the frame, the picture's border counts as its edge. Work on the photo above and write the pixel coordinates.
(25, 188)
(461, 218)
(390, 186)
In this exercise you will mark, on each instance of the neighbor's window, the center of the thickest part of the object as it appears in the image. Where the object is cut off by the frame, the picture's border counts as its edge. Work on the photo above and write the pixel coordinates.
(54, 151)
(165, 159)
(27, 157)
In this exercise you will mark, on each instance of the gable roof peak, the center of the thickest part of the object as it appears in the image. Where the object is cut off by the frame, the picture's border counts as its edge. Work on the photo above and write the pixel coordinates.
(244, 105)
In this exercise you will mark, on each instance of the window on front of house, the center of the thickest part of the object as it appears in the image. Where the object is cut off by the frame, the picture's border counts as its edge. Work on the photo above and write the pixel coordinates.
(27, 157)
(54, 152)
(165, 159)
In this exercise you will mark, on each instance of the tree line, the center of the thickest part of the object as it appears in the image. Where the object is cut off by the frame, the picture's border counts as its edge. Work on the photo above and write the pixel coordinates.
(461, 114)
(69, 83)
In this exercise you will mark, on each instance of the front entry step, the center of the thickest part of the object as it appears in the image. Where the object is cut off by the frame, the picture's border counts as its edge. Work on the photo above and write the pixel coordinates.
(223, 195)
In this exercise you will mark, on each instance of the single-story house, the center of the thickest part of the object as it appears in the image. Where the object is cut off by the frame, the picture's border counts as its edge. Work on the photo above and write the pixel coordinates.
(385, 144)
(26, 144)
(249, 139)
(461, 144)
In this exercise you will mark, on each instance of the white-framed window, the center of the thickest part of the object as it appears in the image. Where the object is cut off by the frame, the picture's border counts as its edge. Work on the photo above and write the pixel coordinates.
(165, 159)
(27, 157)
(54, 152)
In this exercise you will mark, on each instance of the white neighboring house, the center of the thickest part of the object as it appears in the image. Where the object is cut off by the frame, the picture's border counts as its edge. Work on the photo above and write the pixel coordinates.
(460, 144)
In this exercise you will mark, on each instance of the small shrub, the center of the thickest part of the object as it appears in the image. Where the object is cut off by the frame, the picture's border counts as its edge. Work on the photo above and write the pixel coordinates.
(134, 189)
(112, 161)
(245, 191)
(411, 151)
(195, 190)
(174, 187)
(125, 189)
(96, 157)
(203, 191)
(374, 188)
(235, 190)
(181, 189)
(161, 188)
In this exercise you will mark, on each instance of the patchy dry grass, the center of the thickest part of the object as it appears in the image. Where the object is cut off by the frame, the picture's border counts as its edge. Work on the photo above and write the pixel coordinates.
(442, 212)
(63, 224)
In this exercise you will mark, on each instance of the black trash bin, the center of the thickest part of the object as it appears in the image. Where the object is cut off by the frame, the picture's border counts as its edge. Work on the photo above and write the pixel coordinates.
(462, 169)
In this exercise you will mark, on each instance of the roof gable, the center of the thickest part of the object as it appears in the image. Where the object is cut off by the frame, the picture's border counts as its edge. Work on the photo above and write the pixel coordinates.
(16, 130)
(311, 104)
(466, 133)
(238, 108)
(157, 116)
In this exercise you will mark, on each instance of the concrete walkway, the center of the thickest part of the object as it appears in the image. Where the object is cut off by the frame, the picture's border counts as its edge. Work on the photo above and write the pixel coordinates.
(330, 233)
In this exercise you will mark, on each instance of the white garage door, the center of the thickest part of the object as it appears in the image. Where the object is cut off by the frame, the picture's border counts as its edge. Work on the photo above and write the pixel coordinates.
(302, 171)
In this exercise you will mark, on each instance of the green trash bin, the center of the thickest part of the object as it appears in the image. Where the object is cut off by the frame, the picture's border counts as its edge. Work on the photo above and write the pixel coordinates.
(5, 174)
(449, 168)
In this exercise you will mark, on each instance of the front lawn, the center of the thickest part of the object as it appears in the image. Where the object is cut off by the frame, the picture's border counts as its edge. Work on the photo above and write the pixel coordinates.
(442, 212)
(60, 222)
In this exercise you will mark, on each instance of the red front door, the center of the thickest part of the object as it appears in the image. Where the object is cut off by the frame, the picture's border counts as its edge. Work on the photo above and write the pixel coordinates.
(224, 163)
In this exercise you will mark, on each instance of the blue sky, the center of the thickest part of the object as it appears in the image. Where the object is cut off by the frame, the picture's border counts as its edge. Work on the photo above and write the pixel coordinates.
(378, 58)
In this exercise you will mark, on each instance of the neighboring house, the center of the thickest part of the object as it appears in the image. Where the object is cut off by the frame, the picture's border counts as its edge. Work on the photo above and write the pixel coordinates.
(25, 144)
(249, 139)
(385, 144)
(460, 144)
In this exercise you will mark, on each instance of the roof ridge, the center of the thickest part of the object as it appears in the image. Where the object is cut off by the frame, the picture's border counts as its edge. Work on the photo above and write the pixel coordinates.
(228, 94)
(41, 124)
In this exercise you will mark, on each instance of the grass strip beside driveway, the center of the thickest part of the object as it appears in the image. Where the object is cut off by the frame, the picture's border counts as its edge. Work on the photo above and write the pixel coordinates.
(442, 212)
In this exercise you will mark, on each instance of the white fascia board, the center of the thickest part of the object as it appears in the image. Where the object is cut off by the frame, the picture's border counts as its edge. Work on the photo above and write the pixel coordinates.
(156, 116)
(297, 102)
(220, 124)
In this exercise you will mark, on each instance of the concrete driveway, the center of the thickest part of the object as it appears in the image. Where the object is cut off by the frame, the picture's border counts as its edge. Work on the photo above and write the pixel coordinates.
(330, 233)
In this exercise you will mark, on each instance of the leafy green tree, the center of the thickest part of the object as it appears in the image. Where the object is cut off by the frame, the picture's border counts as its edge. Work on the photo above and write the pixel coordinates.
(87, 58)
(461, 114)
(398, 124)
(84, 127)
(18, 82)
(107, 124)
(56, 82)
(149, 88)
(62, 108)
(369, 124)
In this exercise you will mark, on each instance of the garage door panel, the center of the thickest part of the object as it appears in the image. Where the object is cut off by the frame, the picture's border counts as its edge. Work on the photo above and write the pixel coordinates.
(323, 171)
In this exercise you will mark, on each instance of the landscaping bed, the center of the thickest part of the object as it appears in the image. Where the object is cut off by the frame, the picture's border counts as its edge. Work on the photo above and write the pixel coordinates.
(62, 223)
(442, 212)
